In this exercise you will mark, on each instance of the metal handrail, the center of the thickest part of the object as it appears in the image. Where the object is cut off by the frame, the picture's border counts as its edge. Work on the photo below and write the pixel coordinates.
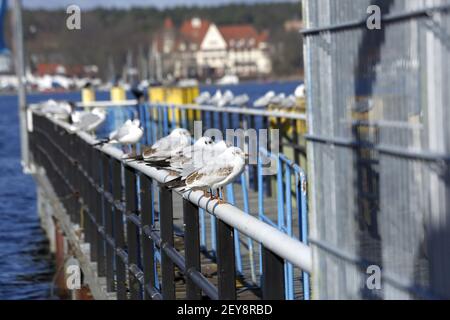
(228, 109)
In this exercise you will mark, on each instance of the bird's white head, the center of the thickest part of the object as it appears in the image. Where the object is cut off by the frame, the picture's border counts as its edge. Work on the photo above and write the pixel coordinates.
(136, 123)
(204, 142)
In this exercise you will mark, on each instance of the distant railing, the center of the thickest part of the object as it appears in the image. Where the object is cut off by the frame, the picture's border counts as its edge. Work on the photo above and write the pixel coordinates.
(127, 216)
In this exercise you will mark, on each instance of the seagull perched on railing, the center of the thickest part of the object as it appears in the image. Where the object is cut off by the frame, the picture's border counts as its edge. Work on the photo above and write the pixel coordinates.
(200, 157)
(215, 99)
(129, 133)
(203, 98)
(87, 120)
(300, 91)
(264, 101)
(278, 99)
(215, 174)
(289, 102)
(60, 110)
(178, 160)
(226, 99)
(240, 100)
(165, 147)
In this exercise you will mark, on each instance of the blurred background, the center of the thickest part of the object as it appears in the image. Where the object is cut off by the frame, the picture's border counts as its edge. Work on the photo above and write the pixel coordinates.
(140, 42)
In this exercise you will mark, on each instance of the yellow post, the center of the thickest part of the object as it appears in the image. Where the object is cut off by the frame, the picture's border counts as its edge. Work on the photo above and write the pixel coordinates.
(118, 94)
(87, 95)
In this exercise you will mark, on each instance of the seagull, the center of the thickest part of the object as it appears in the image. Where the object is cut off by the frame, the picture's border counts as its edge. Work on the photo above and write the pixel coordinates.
(264, 101)
(202, 156)
(202, 147)
(227, 97)
(240, 100)
(278, 99)
(203, 98)
(129, 133)
(87, 120)
(300, 91)
(164, 148)
(215, 99)
(289, 102)
(59, 110)
(215, 174)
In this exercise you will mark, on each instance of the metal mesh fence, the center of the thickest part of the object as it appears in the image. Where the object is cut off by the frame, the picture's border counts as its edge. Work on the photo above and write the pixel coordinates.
(378, 151)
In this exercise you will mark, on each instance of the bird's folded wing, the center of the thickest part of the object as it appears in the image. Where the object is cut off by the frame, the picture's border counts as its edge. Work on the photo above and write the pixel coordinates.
(206, 178)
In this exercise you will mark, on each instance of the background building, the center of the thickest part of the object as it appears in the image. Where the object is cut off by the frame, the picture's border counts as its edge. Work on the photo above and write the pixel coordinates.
(200, 48)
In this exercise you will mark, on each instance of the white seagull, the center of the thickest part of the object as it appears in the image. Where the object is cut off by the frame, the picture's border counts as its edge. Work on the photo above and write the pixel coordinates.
(278, 99)
(202, 156)
(215, 174)
(227, 97)
(164, 148)
(215, 99)
(88, 120)
(128, 134)
(300, 91)
(264, 101)
(289, 102)
(196, 152)
(240, 100)
(203, 98)
(59, 110)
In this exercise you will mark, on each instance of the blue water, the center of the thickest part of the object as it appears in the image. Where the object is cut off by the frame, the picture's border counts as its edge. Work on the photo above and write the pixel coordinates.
(26, 266)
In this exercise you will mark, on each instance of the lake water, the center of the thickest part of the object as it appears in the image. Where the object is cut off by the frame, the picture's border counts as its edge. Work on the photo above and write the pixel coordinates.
(26, 266)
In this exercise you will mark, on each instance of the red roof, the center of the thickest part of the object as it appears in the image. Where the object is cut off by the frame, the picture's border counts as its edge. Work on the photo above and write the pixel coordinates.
(194, 30)
(235, 33)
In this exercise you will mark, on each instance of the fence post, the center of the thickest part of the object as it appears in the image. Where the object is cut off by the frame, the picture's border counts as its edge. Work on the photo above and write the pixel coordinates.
(166, 225)
(273, 276)
(107, 210)
(226, 267)
(132, 231)
(192, 247)
(98, 214)
(148, 250)
(119, 237)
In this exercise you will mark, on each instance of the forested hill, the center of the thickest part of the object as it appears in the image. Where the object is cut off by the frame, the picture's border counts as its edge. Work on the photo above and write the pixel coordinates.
(110, 33)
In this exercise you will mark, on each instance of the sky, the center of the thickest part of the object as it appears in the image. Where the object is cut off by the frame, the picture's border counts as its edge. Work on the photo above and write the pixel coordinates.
(88, 4)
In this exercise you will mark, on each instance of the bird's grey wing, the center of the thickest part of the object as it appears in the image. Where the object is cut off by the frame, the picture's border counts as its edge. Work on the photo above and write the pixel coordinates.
(208, 177)
(87, 120)
(123, 131)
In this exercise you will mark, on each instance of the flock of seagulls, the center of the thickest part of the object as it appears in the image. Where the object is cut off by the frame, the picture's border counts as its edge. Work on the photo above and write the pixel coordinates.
(227, 98)
(205, 165)
(79, 120)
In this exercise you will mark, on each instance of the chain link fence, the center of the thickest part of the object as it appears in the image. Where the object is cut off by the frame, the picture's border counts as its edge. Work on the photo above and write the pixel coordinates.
(378, 150)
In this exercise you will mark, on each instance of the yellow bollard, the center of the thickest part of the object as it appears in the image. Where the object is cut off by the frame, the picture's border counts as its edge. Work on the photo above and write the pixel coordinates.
(118, 94)
(87, 95)
(157, 94)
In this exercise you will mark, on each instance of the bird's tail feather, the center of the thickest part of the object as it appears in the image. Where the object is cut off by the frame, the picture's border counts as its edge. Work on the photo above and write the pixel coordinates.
(134, 158)
(158, 163)
(175, 183)
(101, 142)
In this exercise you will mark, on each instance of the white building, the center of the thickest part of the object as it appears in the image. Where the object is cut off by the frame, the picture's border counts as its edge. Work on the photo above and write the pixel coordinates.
(205, 50)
